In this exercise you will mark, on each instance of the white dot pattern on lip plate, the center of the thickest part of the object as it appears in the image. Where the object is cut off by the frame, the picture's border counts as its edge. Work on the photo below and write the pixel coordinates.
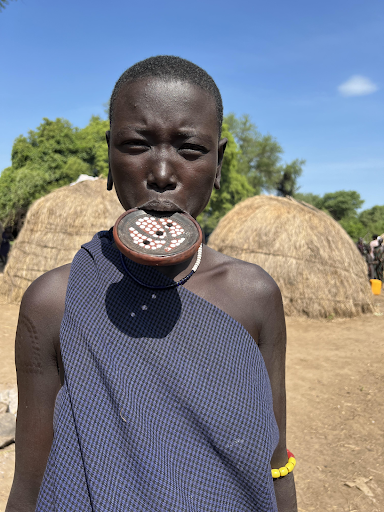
(163, 233)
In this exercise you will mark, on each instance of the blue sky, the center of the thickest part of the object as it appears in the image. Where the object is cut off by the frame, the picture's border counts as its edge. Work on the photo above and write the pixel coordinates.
(309, 73)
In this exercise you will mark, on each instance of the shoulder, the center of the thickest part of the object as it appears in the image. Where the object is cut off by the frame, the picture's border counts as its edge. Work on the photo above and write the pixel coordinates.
(44, 301)
(249, 277)
(48, 289)
(243, 290)
(37, 344)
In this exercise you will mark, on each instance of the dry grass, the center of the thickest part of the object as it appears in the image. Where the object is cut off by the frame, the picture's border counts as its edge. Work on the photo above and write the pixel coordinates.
(55, 228)
(316, 264)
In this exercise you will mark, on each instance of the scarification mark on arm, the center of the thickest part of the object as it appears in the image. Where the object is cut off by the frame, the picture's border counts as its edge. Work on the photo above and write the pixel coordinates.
(28, 354)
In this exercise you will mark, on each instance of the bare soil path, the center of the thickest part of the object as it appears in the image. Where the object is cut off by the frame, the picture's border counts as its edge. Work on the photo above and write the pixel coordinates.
(335, 378)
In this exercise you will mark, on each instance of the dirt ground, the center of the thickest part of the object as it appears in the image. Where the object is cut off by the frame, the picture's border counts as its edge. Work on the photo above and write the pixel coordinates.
(335, 375)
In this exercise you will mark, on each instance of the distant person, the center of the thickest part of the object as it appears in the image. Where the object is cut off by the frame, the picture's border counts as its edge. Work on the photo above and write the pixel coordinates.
(369, 260)
(378, 256)
(361, 246)
(5, 246)
(374, 243)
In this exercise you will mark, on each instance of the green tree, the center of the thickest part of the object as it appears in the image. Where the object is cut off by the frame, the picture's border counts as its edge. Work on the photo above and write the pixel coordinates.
(48, 147)
(20, 187)
(93, 144)
(234, 187)
(259, 155)
(309, 198)
(51, 156)
(259, 158)
(373, 220)
(342, 204)
(354, 228)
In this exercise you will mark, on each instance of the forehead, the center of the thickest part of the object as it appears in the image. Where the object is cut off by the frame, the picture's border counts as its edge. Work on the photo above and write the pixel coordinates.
(167, 102)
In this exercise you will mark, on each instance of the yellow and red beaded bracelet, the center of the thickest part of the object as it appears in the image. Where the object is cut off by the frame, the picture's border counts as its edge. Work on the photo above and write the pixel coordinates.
(277, 473)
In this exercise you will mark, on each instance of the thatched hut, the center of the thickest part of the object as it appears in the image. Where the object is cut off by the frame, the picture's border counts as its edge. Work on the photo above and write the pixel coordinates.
(55, 228)
(317, 266)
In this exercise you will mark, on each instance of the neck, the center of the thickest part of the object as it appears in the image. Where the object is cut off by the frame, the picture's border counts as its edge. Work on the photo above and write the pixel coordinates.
(180, 270)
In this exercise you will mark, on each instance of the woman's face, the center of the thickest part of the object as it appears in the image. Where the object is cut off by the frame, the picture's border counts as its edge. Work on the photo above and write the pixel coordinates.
(164, 151)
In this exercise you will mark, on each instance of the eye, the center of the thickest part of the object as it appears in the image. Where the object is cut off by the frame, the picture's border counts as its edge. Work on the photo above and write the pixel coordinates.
(135, 146)
(192, 151)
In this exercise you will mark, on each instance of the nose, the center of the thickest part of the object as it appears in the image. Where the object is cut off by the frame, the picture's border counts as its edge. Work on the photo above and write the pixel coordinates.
(161, 176)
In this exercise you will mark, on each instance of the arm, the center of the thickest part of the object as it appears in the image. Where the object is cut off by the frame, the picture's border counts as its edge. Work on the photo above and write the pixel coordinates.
(272, 345)
(37, 362)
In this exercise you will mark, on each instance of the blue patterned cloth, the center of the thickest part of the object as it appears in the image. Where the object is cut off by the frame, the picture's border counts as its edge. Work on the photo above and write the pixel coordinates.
(166, 406)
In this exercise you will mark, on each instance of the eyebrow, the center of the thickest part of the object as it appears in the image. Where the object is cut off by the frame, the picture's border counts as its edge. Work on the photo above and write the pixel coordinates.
(185, 134)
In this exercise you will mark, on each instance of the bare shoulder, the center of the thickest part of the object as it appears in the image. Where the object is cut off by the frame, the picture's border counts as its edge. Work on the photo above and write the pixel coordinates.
(243, 290)
(251, 278)
(42, 307)
(47, 293)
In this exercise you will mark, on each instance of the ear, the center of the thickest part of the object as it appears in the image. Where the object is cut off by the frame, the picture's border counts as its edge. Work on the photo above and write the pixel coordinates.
(220, 156)
(110, 179)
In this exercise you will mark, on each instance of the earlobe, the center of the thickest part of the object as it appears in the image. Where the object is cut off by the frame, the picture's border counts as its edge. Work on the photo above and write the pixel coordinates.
(109, 180)
(216, 183)
(220, 156)
(222, 146)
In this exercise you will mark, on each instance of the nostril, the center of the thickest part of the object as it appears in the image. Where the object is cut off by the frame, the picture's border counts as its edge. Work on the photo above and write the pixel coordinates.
(157, 188)
(161, 178)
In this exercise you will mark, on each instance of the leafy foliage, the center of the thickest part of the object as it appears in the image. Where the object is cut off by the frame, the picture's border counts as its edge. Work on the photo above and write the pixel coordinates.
(233, 189)
(309, 198)
(354, 228)
(343, 206)
(259, 158)
(340, 205)
(51, 156)
(92, 140)
(373, 220)
(49, 147)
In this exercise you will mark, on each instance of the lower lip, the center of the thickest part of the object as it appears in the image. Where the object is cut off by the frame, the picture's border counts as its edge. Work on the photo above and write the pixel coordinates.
(160, 206)
(159, 213)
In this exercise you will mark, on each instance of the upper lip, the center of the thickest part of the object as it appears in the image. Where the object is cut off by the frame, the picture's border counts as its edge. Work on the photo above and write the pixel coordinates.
(164, 205)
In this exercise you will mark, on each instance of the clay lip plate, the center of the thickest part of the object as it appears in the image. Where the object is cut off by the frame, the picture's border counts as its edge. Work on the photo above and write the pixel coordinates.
(165, 245)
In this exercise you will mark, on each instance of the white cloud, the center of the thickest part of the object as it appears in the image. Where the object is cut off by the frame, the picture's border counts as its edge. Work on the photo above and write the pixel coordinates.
(357, 85)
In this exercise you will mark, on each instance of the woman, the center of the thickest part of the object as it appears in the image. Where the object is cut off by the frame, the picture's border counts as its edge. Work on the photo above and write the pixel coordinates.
(169, 397)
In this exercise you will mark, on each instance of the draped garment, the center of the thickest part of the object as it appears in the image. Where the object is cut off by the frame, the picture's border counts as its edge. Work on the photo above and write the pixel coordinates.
(166, 404)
